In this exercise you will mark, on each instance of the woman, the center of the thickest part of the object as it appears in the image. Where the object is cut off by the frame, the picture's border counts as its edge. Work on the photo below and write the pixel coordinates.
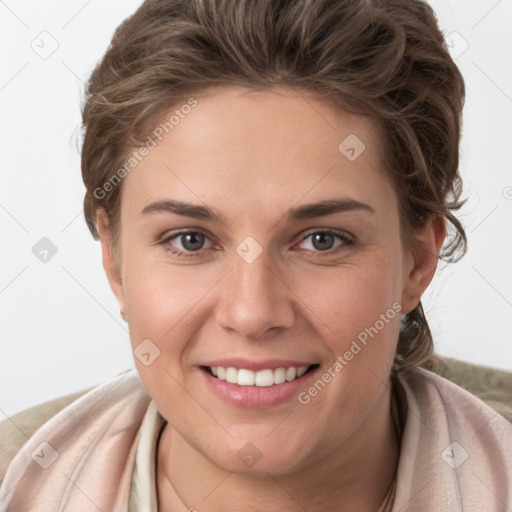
(272, 184)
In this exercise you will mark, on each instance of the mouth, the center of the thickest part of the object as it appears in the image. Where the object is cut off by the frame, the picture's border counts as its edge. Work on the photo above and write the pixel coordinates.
(263, 378)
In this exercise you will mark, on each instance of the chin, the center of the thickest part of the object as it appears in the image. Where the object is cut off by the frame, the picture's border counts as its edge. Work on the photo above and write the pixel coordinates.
(259, 458)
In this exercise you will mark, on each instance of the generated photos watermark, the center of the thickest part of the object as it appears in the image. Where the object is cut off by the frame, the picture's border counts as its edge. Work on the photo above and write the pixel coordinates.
(357, 345)
(144, 150)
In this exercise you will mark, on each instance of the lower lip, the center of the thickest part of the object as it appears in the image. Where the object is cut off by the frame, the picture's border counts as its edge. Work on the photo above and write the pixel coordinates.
(254, 397)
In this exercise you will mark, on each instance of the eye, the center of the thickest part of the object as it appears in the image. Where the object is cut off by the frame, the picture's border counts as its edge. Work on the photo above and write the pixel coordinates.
(186, 243)
(323, 241)
(190, 242)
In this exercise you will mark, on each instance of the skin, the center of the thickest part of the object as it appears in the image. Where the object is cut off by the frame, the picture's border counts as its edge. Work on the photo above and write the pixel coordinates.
(251, 157)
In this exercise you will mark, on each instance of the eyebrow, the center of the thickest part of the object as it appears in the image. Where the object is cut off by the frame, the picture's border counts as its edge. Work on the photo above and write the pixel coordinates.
(308, 211)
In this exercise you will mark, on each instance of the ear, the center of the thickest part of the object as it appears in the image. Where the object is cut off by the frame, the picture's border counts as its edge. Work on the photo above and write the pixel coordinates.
(110, 263)
(422, 261)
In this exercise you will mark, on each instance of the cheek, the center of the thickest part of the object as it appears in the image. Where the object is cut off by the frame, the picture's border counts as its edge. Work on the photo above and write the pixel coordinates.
(163, 305)
(164, 300)
(345, 301)
(357, 315)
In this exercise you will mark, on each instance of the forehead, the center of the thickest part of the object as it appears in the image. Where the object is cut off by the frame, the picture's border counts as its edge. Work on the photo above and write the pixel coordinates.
(260, 149)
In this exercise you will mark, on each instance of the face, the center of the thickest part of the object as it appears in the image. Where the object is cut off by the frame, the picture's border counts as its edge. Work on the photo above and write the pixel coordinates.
(228, 270)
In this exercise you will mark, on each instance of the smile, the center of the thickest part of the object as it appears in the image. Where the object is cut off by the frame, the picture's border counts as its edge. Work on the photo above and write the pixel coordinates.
(262, 378)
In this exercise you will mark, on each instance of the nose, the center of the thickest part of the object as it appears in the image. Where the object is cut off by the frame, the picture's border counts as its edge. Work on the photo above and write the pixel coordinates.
(255, 301)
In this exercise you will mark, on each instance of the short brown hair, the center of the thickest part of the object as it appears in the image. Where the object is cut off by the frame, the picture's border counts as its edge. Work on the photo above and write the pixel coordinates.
(383, 58)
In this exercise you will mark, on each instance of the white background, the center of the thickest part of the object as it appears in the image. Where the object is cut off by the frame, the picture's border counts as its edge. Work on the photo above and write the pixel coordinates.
(60, 328)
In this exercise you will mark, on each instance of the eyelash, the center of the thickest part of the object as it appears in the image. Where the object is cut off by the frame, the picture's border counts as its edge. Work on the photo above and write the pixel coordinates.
(347, 242)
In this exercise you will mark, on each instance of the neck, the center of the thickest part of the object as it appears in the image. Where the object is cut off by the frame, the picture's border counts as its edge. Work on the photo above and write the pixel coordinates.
(357, 474)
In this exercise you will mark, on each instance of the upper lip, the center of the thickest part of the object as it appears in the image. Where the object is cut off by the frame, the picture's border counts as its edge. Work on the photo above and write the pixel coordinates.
(247, 364)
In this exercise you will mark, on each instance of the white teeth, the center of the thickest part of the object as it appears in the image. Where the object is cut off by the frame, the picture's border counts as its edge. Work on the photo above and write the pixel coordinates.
(279, 375)
(231, 375)
(301, 371)
(262, 378)
(291, 373)
(245, 377)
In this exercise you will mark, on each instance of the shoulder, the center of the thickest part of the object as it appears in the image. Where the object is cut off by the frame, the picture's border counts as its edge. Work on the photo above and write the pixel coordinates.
(456, 437)
(490, 385)
(465, 403)
(78, 434)
(17, 429)
(92, 405)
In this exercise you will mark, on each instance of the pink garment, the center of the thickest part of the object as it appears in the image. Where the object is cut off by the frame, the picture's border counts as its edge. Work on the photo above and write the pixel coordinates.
(95, 439)
(456, 452)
